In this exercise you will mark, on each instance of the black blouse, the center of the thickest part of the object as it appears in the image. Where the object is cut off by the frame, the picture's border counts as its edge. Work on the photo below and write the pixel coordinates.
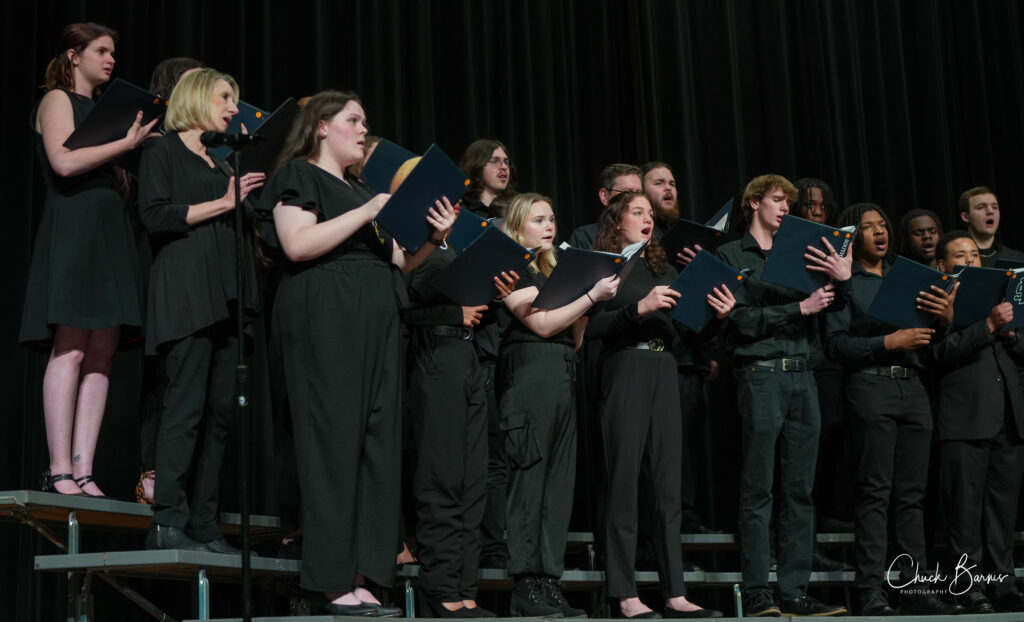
(192, 280)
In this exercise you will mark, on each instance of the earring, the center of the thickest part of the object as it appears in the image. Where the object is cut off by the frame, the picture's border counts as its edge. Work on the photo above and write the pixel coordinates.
(323, 133)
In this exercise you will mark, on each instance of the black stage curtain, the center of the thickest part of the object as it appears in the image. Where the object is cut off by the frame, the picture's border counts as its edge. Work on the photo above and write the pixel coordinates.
(901, 103)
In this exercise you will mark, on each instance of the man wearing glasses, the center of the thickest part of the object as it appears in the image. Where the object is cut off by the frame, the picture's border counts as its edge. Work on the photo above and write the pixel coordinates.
(614, 179)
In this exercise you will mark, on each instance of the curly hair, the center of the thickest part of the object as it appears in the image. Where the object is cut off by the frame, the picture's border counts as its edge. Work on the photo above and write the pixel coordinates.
(609, 237)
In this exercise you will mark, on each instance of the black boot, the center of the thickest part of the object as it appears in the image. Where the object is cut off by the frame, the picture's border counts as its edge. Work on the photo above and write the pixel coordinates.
(528, 600)
(553, 592)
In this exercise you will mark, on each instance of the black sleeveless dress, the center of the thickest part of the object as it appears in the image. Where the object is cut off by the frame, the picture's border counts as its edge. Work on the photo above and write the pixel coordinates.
(85, 267)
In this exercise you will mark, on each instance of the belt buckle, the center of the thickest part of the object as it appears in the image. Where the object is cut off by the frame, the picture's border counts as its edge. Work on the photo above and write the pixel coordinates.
(467, 334)
(786, 362)
(656, 345)
(895, 372)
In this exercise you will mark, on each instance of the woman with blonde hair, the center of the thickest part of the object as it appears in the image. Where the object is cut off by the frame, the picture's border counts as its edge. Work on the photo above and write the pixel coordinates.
(536, 371)
(84, 281)
(186, 204)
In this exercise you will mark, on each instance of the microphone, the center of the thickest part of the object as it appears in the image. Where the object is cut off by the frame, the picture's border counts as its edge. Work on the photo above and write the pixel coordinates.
(216, 139)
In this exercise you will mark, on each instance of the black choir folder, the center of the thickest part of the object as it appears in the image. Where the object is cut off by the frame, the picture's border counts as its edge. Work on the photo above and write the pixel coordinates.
(786, 264)
(469, 280)
(1014, 289)
(248, 115)
(980, 290)
(433, 177)
(896, 300)
(274, 130)
(467, 229)
(113, 116)
(384, 162)
(687, 233)
(577, 271)
(701, 276)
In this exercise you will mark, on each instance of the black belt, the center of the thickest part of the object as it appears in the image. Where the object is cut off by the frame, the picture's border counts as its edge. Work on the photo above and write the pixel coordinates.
(655, 345)
(782, 364)
(455, 332)
(894, 371)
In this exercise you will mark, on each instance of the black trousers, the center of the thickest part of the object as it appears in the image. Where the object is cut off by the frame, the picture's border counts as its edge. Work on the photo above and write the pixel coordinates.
(194, 425)
(691, 403)
(642, 434)
(778, 412)
(539, 419)
(893, 424)
(492, 528)
(338, 328)
(980, 482)
(448, 406)
(837, 456)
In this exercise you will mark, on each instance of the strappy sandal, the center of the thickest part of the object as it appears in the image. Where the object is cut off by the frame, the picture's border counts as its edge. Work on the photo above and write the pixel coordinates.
(84, 481)
(47, 481)
(140, 489)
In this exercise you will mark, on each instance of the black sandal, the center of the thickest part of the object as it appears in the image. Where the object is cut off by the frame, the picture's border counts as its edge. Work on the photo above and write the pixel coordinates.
(47, 481)
(84, 481)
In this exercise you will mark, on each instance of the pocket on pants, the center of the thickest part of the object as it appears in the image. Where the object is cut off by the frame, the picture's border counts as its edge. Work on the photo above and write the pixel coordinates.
(520, 439)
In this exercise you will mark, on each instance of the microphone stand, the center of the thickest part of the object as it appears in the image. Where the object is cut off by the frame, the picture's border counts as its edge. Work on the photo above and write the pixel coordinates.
(241, 391)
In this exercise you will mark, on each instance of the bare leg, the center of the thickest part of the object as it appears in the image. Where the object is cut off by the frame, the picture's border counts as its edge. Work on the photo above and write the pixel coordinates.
(60, 393)
(364, 595)
(679, 603)
(347, 598)
(92, 401)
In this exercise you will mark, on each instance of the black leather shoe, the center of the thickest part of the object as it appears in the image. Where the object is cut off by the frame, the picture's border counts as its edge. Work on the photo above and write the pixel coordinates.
(874, 603)
(976, 603)
(380, 611)
(163, 537)
(691, 567)
(553, 593)
(647, 615)
(1011, 601)
(760, 604)
(928, 605)
(220, 545)
(362, 610)
(669, 612)
(808, 606)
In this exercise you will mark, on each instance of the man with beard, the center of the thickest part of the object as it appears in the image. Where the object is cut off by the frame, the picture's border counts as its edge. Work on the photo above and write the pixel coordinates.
(614, 179)
(979, 209)
(660, 187)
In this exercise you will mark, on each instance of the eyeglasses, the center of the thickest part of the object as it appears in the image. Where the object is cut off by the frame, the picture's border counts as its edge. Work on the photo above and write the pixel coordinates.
(499, 162)
(613, 190)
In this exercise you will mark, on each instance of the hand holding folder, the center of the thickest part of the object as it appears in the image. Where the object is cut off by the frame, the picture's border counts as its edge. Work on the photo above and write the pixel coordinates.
(469, 280)
(430, 179)
(697, 284)
(788, 261)
(687, 235)
(897, 301)
(122, 109)
(981, 289)
(579, 269)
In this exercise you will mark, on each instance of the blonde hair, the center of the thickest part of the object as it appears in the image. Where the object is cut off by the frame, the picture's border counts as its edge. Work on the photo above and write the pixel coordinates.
(189, 106)
(515, 221)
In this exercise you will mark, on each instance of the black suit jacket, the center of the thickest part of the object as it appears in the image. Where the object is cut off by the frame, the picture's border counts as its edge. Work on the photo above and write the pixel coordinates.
(976, 377)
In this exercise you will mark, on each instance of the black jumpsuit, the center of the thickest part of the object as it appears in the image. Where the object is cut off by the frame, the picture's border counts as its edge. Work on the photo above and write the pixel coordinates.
(336, 320)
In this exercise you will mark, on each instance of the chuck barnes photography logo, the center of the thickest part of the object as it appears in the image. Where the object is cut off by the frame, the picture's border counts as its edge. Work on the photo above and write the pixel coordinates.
(964, 577)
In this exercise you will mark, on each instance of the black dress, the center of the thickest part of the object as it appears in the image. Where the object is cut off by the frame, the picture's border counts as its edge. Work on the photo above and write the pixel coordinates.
(336, 321)
(193, 294)
(85, 268)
